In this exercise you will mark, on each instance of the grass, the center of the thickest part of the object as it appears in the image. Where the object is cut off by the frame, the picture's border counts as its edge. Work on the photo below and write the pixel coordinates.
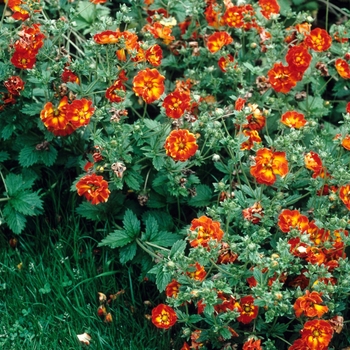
(49, 288)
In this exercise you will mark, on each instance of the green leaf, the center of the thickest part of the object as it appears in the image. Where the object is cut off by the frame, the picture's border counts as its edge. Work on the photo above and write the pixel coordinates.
(225, 333)
(177, 248)
(26, 203)
(4, 156)
(131, 223)
(15, 220)
(152, 124)
(127, 252)
(7, 131)
(133, 180)
(48, 157)
(13, 183)
(31, 109)
(162, 279)
(46, 289)
(151, 229)
(28, 156)
(117, 238)
(202, 198)
(156, 201)
(158, 162)
(164, 239)
(195, 318)
(164, 219)
(221, 167)
(89, 211)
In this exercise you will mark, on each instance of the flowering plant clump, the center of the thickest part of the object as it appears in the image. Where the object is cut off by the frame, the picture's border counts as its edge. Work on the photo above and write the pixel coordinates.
(213, 136)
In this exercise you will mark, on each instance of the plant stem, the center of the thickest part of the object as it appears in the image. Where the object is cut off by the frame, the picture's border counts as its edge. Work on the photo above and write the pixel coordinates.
(152, 254)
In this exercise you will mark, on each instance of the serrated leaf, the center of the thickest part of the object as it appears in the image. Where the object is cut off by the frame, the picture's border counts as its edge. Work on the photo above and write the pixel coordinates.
(221, 167)
(164, 239)
(48, 157)
(177, 248)
(26, 203)
(28, 156)
(13, 183)
(202, 198)
(131, 223)
(156, 201)
(89, 211)
(158, 162)
(155, 269)
(31, 109)
(195, 318)
(7, 131)
(133, 180)
(117, 238)
(151, 124)
(225, 333)
(4, 156)
(152, 229)
(164, 219)
(74, 87)
(127, 252)
(162, 279)
(15, 220)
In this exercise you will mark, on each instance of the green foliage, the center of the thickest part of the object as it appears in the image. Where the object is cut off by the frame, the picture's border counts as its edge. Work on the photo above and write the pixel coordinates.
(216, 191)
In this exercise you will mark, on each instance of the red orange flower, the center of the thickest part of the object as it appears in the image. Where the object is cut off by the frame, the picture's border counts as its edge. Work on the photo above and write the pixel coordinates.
(27, 47)
(344, 195)
(23, 60)
(298, 58)
(176, 103)
(55, 118)
(345, 142)
(318, 40)
(248, 311)
(224, 61)
(172, 289)
(313, 162)
(69, 76)
(218, 40)
(299, 344)
(163, 316)
(268, 164)
(253, 137)
(310, 305)
(256, 120)
(107, 37)
(288, 219)
(293, 119)
(213, 15)
(347, 108)
(149, 84)
(180, 145)
(282, 78)
(233, 16)
(206, 230)
(116, 92)
(317, 334)
(19, 11)
(160, 31)
(14, 85)
(80, 112)
(253, 213)
(94, 188)
(252, 344)
(342, 68)
(269, 7)
(98, 1)
(154, 55)
(197, 272)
